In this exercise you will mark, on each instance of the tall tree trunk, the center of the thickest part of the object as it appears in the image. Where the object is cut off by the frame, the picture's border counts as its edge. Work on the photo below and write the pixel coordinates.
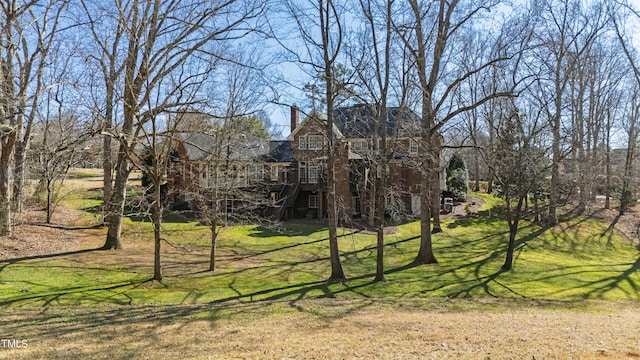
(332, 211)
(607, 188)
(381, 183)
(554, 189)
(435, 198)
(607, 148)
(19, 159)
(513, 220)
(425, 254)
(508, 262)
(5, 200)
(107, 162)
(157, 220)
(380, 230)
(49, 200)
(626, 192)
(476, 171)
(490, 182)
(107, 171)
(373, 196)
(214, 223)
(117, 201)
(327, 10)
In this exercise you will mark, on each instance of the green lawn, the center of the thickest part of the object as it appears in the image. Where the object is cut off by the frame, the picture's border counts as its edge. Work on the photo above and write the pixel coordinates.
(573, 261)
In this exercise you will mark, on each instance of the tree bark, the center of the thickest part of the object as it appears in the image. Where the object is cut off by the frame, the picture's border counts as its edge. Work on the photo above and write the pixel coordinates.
(117, 201)
(435, 198)
(508, 262)
(327, 10)
(107, 171)
(214, 222)
(425, 253)
(19, 159)
(157, 217)
(5, 202)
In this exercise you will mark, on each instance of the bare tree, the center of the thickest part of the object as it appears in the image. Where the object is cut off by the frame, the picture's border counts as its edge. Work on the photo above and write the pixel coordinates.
(521, 164)
(161, 38)
(107, 35)
(431, 37)
(237, 139)
(631, 126)
(61, 134)
(320, 25)
(28, 32)
(373, 66)
(564, 33)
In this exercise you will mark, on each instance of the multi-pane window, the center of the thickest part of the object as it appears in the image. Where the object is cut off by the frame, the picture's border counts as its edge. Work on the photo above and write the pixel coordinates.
(360, 145)
(313, 174)
(413, 147)
(315, 142)
(302, 142)
(313, 201)
(255, 172)
(302, 172)
(274, 173)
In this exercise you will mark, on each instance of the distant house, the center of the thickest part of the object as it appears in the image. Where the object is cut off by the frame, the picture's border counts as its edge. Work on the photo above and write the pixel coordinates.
(289, 176)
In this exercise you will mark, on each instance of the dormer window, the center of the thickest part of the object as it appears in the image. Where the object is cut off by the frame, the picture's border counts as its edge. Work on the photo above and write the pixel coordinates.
(302, 142)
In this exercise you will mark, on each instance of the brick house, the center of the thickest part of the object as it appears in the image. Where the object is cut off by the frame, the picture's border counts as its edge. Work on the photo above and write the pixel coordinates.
(288, 176)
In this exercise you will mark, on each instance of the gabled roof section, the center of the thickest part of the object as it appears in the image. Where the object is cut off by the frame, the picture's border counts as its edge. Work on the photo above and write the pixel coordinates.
(280, 151)
(236, 147)
(358, 121)
(318, 116)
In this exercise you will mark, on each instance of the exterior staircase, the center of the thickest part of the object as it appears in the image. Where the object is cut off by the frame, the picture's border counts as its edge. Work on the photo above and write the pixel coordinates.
(288, 194)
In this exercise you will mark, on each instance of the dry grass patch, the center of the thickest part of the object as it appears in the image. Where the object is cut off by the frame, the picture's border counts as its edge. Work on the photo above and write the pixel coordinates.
(330, 329)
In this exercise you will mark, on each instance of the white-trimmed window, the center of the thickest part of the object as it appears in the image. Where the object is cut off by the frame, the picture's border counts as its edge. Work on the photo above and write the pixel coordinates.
(315, 142)
(274, 173)
(255, 172)
(413, 147)
(302, 142)
(313, 174)
(360, 146)
(302, 172)
(313, 201)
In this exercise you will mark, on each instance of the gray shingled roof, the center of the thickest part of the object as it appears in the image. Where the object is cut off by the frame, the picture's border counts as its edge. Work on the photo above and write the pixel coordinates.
(358, 121)
(237, 147)
(280, 151)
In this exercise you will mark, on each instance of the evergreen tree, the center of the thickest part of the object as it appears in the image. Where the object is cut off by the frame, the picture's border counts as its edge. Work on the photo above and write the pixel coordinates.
(458, 178)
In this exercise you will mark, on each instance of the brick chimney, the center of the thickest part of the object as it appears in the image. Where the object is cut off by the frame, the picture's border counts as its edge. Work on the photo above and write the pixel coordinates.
(295, 117)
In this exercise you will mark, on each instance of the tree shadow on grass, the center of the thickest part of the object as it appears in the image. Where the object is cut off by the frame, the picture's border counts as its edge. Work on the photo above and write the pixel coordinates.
(138, 214)
(6, 262)
(45, 300)
(600, 287)
(293, 229)
(292, 246)
(478, 281)
(481, 282)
